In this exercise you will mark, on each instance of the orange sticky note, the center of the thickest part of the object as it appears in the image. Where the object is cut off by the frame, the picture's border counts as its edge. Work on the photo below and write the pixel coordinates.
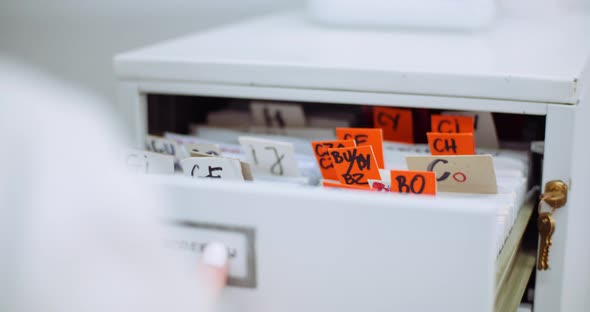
(355, 165)
(413, 182)
(320, 150)
(452, 124)
(345, 186)
(451, 143)
(364, 137)
(397, 123)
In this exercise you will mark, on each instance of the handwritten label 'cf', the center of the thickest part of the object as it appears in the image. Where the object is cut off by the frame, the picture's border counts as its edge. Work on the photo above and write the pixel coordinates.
(270, 157)
(451, 143)
(213, 168)
(355, 165)
(320, 150)
(413, 182)
(365, 137)
(397, 124)
(452, 124)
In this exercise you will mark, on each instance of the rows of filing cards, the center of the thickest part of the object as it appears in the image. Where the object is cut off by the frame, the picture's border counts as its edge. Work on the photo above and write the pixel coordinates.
(356, 159)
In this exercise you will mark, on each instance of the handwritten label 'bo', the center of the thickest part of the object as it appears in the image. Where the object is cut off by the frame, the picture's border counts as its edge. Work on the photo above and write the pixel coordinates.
(413, 182)
(320, 149)
(462, 174)
(452, 124)
(451, 143)
(397, 124)
(355, 165)
(365, 137)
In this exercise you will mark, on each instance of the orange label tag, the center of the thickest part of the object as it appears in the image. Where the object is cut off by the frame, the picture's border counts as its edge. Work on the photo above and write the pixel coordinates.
(344, 186)
(397, 124)
(451, 143)
(355, 165)
(452, 124)
(320, 150)
(364, 137)
(413, 182)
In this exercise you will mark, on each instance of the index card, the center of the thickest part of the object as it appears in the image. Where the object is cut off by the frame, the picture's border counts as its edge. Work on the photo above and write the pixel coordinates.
(270, 157)
(355, 165)
(162, 145)
(452, 124)
(413, 182)
(397, 123)
(320, 150)
(364, 137)
(148, 162)
(451, 143)
(485, 128)
(213, 168)
(211, 149)
(277, 115)
(461, 174)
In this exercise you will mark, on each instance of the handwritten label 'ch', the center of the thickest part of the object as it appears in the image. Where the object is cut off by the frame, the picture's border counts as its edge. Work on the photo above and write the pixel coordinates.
(451, 143)
(320, 149)
(413, 182)
(277, 115)
(452, 124)
(270, 157)
(355, 165)
(365, 137)
(397, 124)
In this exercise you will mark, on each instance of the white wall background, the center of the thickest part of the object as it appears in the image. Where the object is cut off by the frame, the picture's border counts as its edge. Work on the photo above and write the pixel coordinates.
(76, 39)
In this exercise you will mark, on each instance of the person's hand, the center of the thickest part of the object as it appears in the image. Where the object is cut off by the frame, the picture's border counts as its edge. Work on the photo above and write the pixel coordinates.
(213, 271)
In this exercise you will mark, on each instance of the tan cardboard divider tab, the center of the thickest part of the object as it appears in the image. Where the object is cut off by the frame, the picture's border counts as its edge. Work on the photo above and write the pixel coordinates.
(459, 174)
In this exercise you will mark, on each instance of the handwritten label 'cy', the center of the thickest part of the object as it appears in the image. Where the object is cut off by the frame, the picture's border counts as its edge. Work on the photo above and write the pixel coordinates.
(451, 143)
(355, 165)
(365, 137)
(397, 123)
(320, 150)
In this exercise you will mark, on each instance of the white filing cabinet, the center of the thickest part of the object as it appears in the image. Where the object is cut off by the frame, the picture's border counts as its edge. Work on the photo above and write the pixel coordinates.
(322, 250)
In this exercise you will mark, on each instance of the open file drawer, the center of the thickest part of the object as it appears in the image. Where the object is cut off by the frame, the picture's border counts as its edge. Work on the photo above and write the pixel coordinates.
(321, 250)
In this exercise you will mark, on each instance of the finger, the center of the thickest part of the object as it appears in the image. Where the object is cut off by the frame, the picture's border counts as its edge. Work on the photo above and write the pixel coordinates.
(213, 267)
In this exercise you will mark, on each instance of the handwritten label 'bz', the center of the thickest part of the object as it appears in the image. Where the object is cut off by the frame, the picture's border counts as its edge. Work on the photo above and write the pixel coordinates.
(355, 165)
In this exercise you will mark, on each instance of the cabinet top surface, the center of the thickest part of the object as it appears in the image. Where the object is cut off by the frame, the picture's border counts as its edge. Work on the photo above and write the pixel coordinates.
(540, 60)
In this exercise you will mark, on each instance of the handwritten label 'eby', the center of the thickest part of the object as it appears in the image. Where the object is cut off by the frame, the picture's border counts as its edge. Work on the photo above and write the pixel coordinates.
(413, 182)
(451, 143)
(397, 123)
(460, 174)
(452, 124)
(365, 137)
(320, 150)
(355, 165)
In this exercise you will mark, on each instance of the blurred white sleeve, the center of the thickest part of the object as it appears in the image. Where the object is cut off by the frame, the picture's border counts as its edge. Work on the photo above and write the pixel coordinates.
(78, 234)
